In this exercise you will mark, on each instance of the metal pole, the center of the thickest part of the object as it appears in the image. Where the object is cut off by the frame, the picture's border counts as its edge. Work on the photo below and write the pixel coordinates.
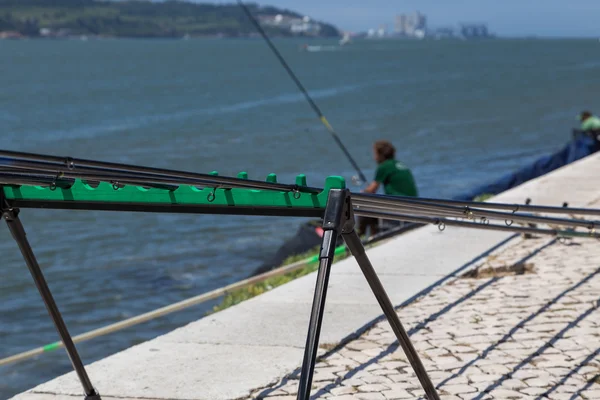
(18, 233)
(332, 225)
(316, 318)
(358, 251)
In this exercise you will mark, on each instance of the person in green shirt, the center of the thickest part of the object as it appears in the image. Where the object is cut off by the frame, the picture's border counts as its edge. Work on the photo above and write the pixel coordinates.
(396, 178)
(589, 122)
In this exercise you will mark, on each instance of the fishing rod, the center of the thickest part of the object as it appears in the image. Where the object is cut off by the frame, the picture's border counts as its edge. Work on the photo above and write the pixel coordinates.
(66, 180)
(496, 206)
(302, 89)
(468, 212)
(7, 179)
(50, 170)
(117, 179)
(429, 209)
(57, 165)
(441, 223)
(474, 222)
(45, 167)
(408, 209)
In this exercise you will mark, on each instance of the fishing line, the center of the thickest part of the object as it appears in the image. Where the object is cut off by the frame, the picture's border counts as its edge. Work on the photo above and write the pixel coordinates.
(302, 89)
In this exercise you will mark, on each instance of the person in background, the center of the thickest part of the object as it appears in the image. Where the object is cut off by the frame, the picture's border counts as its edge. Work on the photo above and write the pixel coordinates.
(396, 178)
(589, 122)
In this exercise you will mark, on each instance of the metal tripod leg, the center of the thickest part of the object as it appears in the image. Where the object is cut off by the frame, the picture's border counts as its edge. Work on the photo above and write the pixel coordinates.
(332, 226)
(358, 251)
(16, 228)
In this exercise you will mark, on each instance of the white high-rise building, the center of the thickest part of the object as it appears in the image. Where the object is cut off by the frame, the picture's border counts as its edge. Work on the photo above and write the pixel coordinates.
(414, 24)
(400, 26)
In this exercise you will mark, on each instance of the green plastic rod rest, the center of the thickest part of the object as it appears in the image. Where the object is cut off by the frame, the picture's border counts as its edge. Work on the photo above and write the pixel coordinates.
(184, 194)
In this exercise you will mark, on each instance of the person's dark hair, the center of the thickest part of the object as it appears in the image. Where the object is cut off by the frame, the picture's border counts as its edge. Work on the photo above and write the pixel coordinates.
(585, 115)
(385, 150)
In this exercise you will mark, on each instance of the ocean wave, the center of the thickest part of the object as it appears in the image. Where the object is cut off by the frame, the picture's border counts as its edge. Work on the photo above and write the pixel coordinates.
(118, 126)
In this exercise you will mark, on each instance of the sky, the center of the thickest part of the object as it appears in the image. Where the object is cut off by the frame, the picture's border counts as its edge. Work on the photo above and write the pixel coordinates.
(555, 18)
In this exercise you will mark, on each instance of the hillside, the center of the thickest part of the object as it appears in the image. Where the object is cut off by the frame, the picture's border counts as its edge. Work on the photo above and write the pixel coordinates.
(142, 18)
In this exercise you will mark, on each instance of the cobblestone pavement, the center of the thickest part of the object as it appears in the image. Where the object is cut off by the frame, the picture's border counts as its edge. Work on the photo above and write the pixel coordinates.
(523, 326)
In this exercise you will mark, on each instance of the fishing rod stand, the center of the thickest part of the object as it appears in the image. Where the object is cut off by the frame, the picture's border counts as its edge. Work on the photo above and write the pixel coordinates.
(11, 216)
(339, 218)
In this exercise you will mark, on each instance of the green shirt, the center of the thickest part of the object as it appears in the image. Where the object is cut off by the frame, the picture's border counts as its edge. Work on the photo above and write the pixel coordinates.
(396, 178)
(591, 124)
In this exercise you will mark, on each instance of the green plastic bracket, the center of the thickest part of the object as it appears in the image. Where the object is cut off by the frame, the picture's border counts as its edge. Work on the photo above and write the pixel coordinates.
(183, 195)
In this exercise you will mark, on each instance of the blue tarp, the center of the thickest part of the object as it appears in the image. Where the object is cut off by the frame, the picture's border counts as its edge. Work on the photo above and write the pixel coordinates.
(580, 146)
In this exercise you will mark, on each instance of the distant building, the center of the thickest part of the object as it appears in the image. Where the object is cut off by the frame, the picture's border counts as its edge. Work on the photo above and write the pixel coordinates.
(305, 26)
(445, 32)
(412, 25)
(295, 25)
(400, 26)
(469, 31)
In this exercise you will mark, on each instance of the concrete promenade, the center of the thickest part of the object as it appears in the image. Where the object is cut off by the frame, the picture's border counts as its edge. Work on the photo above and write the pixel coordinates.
(493, 315)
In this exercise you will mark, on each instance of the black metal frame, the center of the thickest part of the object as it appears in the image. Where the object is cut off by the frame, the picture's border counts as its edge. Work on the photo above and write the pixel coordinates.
(309, 212)
(11, 216)
(339, 218)
(10, 213)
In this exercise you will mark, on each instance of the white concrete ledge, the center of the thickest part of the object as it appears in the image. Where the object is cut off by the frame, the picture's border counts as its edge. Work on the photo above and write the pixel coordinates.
(230, 354)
